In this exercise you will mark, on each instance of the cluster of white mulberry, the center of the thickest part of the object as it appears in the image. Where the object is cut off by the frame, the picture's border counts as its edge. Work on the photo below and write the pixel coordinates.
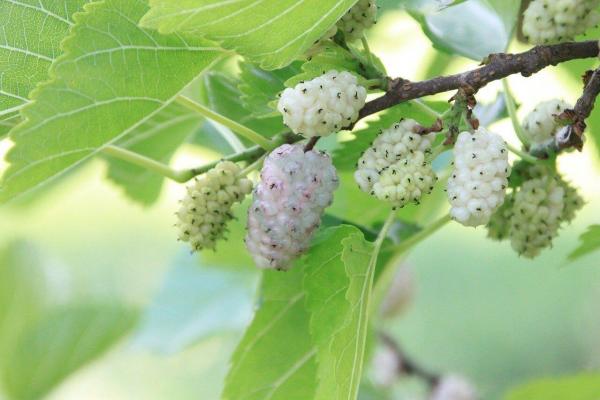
(395, 168)
(206, 208)
(478, 183)
(540, 125)
(551, 21)
(295, 188)
(535, 212)
(323, 105)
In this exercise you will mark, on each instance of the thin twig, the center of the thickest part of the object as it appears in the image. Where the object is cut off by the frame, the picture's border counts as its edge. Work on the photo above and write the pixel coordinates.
(497, 66)
(311, 143)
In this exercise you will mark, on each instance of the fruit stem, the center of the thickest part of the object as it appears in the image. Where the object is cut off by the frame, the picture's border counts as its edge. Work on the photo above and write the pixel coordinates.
(387, 275)
(251, 154)
(374, 84)
(422, 234)
(237, 128)
(512, 112)
(143, 162)
(524, 156)
(252, 166)
(365, 44)
(179, 176)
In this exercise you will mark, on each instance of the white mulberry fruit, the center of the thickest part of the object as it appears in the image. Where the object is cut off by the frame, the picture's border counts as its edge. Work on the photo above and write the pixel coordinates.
(453, 387)
(323, 105)
(540, 125)
(295, 189)
(551, 21)
(478, 183)
(537, 214)
(395, 167)
(206, 208)
(359, 18)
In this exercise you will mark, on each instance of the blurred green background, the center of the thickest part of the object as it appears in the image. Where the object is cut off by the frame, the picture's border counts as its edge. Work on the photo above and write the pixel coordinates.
(479, 310)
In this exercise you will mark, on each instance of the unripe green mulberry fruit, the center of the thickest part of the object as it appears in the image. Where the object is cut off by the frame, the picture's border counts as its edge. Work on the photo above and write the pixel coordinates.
(206, 208)
(405, 181)
(573, 202)
(359, 18)
(551, 21)
(537, 214)
(499, 225)
(395, 167)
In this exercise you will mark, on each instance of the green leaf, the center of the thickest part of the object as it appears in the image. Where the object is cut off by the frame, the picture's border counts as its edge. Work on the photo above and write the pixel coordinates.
(158, 138)
(260, 87)
(22, 292)
(578, 387)
(426, 6)
(348, 344)
(209, 136)
(30, 42)
(276, 358)
(339, 273)
(112, 78)
(330, 57)
(195, 302)
(474, 28)
(271, 35)
(223, 96)
(59, 344)
(590, 242)
(347, 155)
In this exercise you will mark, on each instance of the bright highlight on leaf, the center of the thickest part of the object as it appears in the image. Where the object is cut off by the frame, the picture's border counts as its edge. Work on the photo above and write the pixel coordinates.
(271, 33)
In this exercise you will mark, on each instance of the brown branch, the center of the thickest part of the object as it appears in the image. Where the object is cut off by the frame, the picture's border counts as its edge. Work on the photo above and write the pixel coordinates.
(497, 66)
(572, 134)
(586, 102)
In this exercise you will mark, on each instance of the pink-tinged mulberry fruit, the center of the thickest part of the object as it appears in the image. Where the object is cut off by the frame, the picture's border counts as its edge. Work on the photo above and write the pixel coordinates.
(452, 387)
(295, 189)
